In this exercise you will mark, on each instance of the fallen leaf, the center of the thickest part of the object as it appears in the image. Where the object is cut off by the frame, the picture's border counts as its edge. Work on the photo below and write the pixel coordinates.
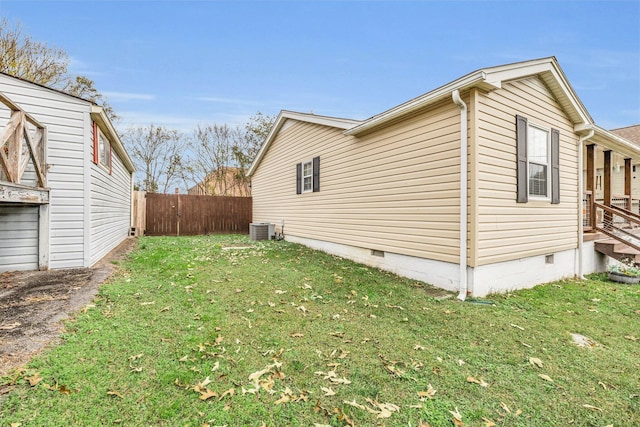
(457, 417)
(594, 408)
(631, 338)
(215, 367)
(488, 422)
(207, 394)
(148, 303)
(516, 326)
(429, 393)
(34, 379)
(505, 407)
(165, 309)
(534, 361)
(296, 335)
(480, 382)
(229, 393)
(280, 292)
(115, 393)
(545, 377)
(327, 391)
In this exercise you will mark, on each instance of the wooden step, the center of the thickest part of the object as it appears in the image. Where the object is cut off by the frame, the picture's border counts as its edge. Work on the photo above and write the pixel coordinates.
(616, 249)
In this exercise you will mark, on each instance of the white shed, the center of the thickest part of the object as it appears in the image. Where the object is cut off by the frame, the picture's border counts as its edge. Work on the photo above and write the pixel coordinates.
(65, 179)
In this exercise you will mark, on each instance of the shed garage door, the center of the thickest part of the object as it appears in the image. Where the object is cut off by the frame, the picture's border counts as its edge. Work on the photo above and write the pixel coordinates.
(18, 238)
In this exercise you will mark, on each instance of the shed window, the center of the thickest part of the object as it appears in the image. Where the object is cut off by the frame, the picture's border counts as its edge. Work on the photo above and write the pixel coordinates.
(104, 151)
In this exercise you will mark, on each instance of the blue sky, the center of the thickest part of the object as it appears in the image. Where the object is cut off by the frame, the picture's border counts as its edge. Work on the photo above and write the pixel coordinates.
(180, 63)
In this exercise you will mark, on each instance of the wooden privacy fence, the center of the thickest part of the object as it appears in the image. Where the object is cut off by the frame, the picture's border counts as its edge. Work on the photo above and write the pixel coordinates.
(186, 215)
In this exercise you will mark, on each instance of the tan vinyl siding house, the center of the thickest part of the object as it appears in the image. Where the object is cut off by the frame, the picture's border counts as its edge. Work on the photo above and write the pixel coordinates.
(389, 191)
(509, 230)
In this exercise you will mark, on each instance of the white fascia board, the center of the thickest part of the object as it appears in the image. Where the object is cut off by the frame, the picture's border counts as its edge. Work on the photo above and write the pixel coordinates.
(100, 117)
(618, 144)
(285, 115)
(474, 79)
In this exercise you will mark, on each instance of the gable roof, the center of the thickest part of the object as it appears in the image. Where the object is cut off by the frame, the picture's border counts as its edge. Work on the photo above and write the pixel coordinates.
(490, 79)
(285, 115)
(487, 79)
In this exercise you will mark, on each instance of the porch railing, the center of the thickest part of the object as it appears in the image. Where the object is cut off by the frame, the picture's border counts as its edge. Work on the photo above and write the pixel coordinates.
(620, 225)
(623, 203)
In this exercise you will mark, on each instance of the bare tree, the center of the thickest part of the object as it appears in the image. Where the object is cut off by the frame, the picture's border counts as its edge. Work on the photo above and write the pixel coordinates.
(24, 57)
(158, 154)
(213, 167)
(222, 156)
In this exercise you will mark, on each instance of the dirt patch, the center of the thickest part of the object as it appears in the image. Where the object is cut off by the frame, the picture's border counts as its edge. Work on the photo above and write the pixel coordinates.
(34, 303)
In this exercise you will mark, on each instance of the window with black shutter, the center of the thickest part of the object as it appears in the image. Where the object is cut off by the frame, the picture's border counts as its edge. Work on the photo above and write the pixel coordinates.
(538, 165)
(308, 176)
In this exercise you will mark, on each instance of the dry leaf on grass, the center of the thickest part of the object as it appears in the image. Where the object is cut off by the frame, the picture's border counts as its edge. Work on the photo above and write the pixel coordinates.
(296, 335)
(545, 377)
(488, 422)
(457, 418)
(115, 393)
(327, 391)
(428, 394)
(594, 408)
(207, 394)
(34, 379)
(534, 361)
(480, 382)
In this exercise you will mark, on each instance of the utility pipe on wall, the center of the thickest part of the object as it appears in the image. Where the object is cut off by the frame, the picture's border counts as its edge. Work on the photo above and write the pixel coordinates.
(580, 202)
(463, 193)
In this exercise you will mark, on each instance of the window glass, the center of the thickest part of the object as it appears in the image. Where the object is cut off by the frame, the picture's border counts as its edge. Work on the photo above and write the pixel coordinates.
(105, 151)
(307, 176)
(538, 157)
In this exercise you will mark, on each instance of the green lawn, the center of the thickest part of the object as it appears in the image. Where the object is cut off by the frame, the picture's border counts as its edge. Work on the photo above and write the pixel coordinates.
(197, 331)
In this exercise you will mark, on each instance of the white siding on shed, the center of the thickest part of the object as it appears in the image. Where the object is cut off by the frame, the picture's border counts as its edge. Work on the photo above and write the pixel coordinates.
(110, 207)
(63, 117)
(18, 237)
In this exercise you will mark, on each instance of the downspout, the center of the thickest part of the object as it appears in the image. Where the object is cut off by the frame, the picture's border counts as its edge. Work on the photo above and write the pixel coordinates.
(463, 193)
(580, 201)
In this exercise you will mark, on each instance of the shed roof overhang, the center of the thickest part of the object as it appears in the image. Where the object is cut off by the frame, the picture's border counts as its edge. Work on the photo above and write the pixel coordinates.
(99, 116)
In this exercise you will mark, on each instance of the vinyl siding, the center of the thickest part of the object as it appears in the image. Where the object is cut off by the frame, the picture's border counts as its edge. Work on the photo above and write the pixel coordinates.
(394, 190)
(63, 117)
(18, 237)
(110, 207)
(507, 230)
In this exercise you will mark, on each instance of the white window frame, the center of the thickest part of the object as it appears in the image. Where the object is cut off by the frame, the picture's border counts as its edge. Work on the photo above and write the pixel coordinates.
(309, 176)
(547, 164)
(104, 151)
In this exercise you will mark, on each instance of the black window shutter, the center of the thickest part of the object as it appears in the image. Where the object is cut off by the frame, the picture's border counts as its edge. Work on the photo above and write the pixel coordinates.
(299, 178)
(316, 174)
(555, 166)
(521, 153)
